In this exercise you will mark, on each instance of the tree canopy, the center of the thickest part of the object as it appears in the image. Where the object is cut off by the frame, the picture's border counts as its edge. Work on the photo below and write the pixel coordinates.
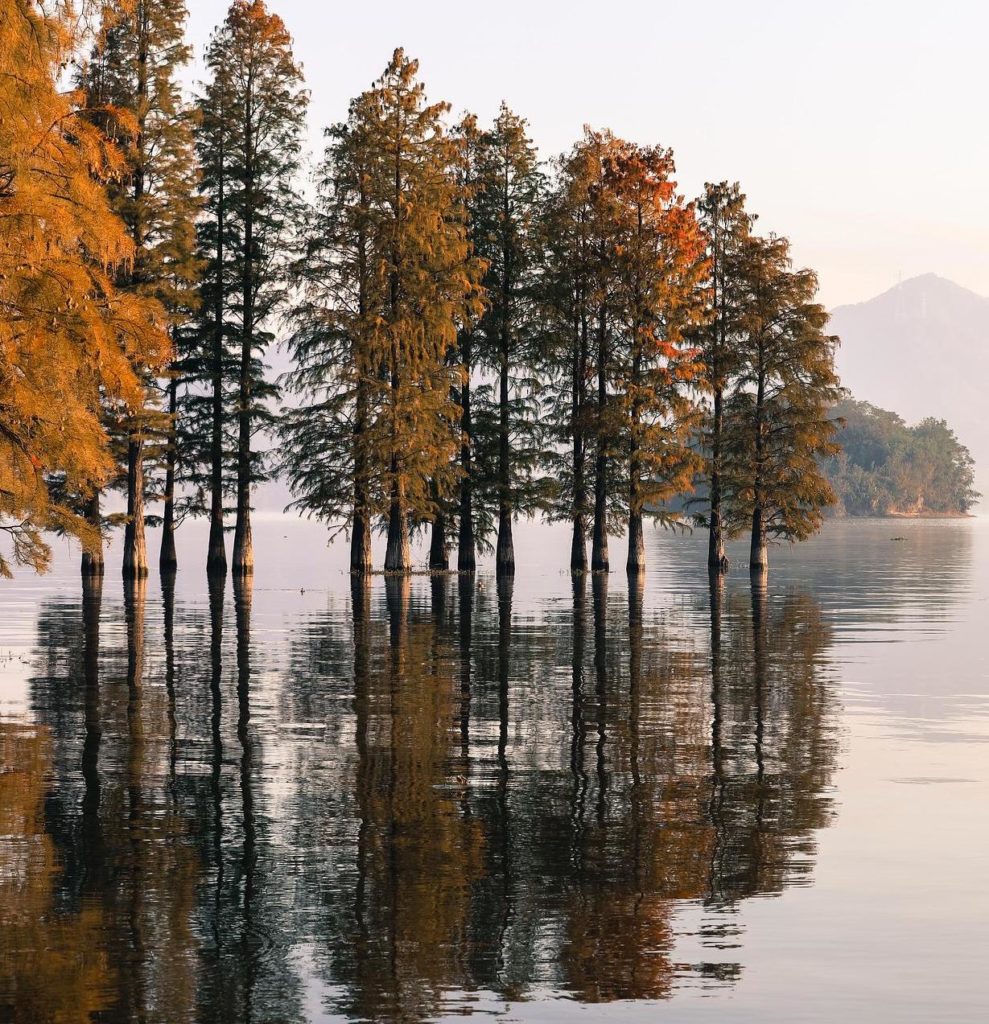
(888, 468)
(69, 337)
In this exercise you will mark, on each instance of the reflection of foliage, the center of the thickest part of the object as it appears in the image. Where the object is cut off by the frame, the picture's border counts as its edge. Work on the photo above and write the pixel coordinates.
(478, 798)
(417, 853)
(775, 746)
(54, 966)
(887, 467)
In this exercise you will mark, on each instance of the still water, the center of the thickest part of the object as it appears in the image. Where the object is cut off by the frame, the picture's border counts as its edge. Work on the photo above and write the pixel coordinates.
(543, 802)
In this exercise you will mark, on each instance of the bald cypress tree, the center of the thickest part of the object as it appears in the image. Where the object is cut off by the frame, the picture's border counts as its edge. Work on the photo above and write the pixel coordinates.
(429, 287)
(389, 281)
(726, 226)
(71, 339)
(253, 112)
(659, 266)
(779, 412)
(473, 510)
(576, 229)
(509, 189)
(132, 89)
(326, 454)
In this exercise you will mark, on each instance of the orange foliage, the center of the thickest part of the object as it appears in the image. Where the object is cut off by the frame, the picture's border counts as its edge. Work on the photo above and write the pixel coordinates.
(67, 335)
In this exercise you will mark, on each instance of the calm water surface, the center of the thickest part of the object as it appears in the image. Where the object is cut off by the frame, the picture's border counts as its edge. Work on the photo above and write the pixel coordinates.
(543, 802)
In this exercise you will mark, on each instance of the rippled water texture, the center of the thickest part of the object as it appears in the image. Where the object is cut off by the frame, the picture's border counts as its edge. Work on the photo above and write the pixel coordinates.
(303, 801)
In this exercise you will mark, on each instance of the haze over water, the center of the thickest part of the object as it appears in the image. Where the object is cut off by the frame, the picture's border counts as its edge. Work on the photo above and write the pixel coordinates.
(431, 798)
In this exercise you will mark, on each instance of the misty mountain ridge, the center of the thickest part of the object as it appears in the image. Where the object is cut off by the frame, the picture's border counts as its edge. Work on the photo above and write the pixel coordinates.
(922, 349)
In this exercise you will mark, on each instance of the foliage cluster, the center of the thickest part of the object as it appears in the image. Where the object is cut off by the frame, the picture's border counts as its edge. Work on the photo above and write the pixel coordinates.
(888, 468)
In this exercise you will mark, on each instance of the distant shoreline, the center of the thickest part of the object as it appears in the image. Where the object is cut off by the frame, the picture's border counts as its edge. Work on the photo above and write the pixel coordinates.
(912, 515)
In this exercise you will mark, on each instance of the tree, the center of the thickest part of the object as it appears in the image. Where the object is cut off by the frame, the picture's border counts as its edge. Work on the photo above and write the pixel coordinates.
(474, 522)
(576, 234)
(509, 188)
(69, 338)
(659, 264)
(620, 285)
(132, 88)
(726, 226)
(779, 410)
(388, 282)
(253, 112)
(885, 467)
(325, 438)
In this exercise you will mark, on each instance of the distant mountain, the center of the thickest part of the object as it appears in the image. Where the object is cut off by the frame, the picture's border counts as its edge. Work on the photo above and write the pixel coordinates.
(922, 349)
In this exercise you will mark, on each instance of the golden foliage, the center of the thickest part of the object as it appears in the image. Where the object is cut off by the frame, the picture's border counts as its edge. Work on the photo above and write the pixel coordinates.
(67, 335)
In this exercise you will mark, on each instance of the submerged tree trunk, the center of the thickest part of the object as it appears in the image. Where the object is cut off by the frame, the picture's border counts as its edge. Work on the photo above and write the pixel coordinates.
(398, 557)
(167, 559)
(135, 565)
(439, 558)
(599, 547)
(505, 553)
(758, 556)
(717, 558)
(92, 555)
(360, 536)
(360, 545)
(636, 563)
(578, 550)
(243, 564)
(466, 544)
(243, 554)
(216, 556)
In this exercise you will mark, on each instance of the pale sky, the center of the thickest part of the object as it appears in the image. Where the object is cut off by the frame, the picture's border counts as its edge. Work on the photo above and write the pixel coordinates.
(858, 129)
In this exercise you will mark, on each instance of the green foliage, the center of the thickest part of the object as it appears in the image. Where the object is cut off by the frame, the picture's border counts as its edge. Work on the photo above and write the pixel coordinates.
(508, 188)
(779, 426)
(726, 225)
(252, 115)
(133, 93)
(623, 264)
(885, 467)
(391, 279)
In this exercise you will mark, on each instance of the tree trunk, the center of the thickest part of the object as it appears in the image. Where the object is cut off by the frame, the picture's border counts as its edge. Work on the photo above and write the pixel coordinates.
(717, 558)
(360, 545)
(466, 544)
(92, 556)
(216, 556)
(599, 545)
(439, 558)
(636, 564)
(360, 536)
(243, 537)
(759, 556)
(578, 550)
(505, 553)
(578, 546)
(135, 565)
(243, 554)
(398, 557)
(167, 559)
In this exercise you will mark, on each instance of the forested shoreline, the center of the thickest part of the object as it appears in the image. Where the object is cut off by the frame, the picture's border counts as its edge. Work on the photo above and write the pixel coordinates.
(477, 333)
(886, 468)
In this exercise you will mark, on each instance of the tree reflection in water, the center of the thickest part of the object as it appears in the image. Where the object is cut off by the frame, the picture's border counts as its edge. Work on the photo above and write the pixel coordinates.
(425, 791)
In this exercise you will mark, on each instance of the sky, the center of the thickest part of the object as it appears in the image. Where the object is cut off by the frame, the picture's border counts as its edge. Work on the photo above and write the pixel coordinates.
(856, 129)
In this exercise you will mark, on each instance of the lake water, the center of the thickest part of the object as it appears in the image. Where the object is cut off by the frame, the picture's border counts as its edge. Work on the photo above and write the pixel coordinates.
(554, 802)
